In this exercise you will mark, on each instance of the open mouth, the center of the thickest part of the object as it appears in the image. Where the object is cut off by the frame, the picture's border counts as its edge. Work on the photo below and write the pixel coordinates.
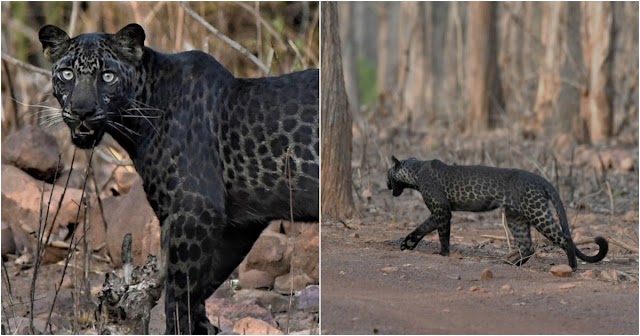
(83, 130)
(84, 136)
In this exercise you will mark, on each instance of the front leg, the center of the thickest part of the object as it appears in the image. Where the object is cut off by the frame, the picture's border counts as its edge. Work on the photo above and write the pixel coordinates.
(201, 256)
(412, 240)
(432, 223)
(440, 219)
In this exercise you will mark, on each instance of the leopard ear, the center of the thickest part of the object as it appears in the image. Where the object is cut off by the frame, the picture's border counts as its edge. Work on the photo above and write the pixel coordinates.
(131, 39)
(55, 41)
(396, 162)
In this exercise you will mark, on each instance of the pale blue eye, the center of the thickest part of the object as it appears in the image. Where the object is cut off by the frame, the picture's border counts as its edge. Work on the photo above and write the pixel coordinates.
(67, 75)
(108, 77)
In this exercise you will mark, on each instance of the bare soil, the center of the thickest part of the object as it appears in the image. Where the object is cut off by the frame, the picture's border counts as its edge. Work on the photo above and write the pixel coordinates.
(369, 286)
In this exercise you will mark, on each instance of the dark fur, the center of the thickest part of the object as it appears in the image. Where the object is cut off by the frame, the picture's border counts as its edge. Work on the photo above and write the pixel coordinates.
(211, 151)
(525, 198)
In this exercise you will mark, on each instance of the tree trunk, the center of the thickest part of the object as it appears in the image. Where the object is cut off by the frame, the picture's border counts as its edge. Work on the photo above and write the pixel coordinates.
(484, 88)
(595, 105)
(553, 31)
(349, 55)
(383, 71)
(336, 120)
(410, 88)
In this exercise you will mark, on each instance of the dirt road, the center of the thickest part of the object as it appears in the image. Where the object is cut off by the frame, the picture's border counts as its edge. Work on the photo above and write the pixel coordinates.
(423, 293)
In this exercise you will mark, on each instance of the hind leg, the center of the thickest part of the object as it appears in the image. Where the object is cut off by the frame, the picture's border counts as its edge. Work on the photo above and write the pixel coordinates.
(544, 222)
(521, 232)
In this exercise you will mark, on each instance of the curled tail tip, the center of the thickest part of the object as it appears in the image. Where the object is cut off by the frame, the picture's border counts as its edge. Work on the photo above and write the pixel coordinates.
(603, 248)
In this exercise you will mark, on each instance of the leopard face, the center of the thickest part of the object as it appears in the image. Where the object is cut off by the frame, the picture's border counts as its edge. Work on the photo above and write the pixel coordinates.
(94, 77)
(401, 176)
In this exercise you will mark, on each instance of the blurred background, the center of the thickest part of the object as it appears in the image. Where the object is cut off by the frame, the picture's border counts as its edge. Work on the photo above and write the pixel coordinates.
(531, 64)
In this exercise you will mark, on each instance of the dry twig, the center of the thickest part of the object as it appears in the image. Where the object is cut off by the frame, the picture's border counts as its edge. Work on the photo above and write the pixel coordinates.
(233, 44)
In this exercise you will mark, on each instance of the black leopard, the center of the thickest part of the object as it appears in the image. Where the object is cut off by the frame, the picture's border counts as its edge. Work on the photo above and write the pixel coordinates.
(524, 196)
(220, 157)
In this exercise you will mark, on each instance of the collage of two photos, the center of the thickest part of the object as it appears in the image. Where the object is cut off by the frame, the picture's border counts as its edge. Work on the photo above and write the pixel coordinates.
(307, 168)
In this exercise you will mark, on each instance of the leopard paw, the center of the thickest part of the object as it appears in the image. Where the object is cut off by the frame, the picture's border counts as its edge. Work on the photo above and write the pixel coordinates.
(408, 243)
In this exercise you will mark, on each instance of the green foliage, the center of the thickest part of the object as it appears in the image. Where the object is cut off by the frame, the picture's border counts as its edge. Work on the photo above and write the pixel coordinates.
(367, 81)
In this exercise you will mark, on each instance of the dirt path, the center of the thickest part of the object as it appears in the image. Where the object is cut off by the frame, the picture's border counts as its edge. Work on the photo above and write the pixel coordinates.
(430, 294)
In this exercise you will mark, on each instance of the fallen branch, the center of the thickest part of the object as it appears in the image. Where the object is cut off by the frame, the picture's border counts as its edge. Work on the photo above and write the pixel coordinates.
(494, 237)
(127, 297)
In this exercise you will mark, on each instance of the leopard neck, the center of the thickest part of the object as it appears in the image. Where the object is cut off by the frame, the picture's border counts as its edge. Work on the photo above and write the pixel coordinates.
(409, 174)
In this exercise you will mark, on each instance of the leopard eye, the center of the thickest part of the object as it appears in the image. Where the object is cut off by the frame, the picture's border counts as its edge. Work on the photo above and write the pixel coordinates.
(67, 74)
(108, 77)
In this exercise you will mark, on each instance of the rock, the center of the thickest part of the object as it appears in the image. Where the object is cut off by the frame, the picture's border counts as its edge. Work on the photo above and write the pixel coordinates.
(486, 274)
(626, 164)
(34, 151)
(354, 235)
(75, 177)
(473, 288)
(589, 274)
(306, 251)
(252, 326)
(254, 278)
(24, 261)
(562, 271)
(221, 312)
(131, 213)
(21, 207)
(123, 181)
(389, 269)
(309, 299)
(296, 281)
(609, 275)
(269, 254)
(269, 300)
(506, 287)
(567, 286)
(8, 244)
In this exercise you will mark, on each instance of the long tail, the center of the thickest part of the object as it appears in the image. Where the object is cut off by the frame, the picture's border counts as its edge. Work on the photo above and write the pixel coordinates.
(603, 246)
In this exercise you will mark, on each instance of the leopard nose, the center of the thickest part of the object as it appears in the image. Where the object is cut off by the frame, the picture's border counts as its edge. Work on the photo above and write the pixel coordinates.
(84, 113)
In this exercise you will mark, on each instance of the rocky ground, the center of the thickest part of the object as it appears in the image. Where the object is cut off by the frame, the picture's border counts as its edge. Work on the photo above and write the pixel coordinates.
(275, 290)
(369, 286)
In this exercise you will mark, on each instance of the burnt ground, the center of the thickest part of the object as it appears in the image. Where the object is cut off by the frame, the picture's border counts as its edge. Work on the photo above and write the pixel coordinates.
(369, 286)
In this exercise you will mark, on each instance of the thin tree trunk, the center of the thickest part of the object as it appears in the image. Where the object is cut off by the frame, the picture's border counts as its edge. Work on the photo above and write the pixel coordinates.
(410, 88)
(349, 55)
(595, 105)
(484, 88)
(553, 30)
(383, 71)
(336, 121)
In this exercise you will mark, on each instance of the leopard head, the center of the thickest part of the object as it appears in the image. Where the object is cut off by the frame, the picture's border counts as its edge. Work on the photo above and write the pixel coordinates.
(400, 177)
(93, 78)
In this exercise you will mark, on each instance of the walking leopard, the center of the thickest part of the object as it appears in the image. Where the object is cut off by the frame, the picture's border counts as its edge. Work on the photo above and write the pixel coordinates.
(524, 196)
(218, 155)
